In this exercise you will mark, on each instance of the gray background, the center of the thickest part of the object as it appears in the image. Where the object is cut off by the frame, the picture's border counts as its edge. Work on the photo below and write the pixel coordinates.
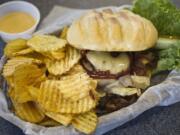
(157, 121)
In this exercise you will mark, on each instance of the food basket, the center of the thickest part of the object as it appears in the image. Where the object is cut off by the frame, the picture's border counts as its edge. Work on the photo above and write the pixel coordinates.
(162, 94)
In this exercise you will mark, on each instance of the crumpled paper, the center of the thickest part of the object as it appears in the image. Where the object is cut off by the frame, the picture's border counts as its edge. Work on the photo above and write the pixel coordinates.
(163, 94)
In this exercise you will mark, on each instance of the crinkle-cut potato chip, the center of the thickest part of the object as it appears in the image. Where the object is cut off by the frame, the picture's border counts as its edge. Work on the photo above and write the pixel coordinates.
(96, 95)
(93, 83)
(10, 81)
(35, 55)
(11, 93)
(74, 70)
(86, 122)
(49, 96)
(14, 46)
(47, 122)
(64, 119)
(22, 94)
(80, 106)
(77, 86)
(74, 85)
(34, 92)
(53, 77)
(23, 52)
(24, 76)
(38, 81)
(28, 111)
(51, 99)
(63, 34)
(67, 97)
(77, 68)
(55, 55)
(15, 62)
(27, 74)
(58, 54)
(46, 43)
(59, 67)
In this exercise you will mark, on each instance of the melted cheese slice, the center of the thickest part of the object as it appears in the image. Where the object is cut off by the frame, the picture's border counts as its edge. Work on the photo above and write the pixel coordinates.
(103, 61)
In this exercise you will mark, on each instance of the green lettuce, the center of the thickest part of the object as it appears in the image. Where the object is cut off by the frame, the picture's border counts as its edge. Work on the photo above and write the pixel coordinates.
(162, 13)
(169, 58)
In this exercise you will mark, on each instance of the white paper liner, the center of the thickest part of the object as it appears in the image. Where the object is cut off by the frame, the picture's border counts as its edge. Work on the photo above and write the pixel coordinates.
(166, 93)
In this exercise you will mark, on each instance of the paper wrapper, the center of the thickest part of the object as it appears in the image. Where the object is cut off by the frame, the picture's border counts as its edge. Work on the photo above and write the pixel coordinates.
(163, 94)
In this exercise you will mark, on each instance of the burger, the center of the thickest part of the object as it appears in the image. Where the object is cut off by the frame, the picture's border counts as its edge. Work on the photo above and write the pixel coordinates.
(117, 50)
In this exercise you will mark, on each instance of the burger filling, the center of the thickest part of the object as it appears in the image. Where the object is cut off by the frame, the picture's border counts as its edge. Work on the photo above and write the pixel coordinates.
(122, 76)
(104, 65)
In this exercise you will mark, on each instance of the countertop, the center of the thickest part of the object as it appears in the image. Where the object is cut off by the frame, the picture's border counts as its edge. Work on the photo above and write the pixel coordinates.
(157, 121)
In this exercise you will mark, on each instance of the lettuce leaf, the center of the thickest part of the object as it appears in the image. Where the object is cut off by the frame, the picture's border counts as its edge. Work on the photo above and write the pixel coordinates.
(162, 13)
(169, 58)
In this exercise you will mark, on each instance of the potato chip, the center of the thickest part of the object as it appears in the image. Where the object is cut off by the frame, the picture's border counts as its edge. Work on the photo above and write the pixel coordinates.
(74, 85)
(38, 81)
(63, 34)
(49, 96)
(22, 94)
(95, 95)
(46, 43)
(22, 79)
(74, 70)
(35, 55)
(29, 112)
(47, 85)
(77, 86)
(22, 97)
(58, 67)
(64, 119)
(53, 77)
(13, 63)
(34, 92)
(14, 46)
(27, 74)
(86, 122)
(11, 93)
(10, 81)
(80, 106)
(47, 122)
(77, 68)
(57, 55)
(23, 52)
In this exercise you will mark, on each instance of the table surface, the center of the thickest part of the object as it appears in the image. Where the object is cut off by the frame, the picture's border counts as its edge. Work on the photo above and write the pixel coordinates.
(157, 121)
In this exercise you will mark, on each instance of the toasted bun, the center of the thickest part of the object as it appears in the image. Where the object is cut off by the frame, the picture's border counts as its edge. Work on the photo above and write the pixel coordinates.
(108, 31)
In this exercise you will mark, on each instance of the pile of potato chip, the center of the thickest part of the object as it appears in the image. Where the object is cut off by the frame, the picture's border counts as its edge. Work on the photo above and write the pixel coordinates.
(47, 85)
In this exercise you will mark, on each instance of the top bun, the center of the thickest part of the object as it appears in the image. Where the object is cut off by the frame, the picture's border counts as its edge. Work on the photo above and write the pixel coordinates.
(109, 31)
